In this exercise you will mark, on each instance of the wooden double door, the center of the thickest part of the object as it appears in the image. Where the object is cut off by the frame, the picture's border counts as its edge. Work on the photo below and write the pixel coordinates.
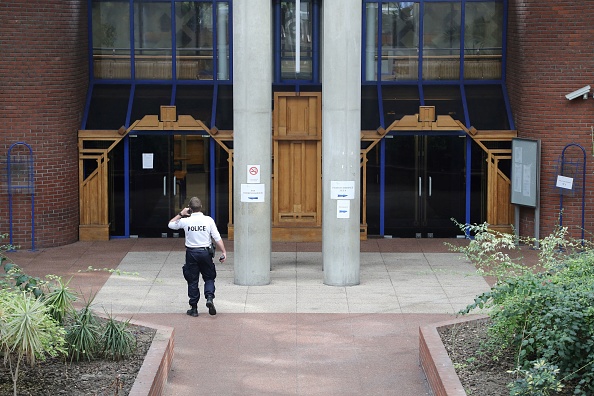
(297, 167)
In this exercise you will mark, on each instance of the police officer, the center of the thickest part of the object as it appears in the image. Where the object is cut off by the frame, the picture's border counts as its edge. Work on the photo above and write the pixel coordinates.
(199, 230)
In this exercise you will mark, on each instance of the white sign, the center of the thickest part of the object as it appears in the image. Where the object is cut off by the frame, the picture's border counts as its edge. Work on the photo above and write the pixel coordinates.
(565, 182)
(343, 209)
(147, 160)
(342, 189)
(253, 173)
(253, 193)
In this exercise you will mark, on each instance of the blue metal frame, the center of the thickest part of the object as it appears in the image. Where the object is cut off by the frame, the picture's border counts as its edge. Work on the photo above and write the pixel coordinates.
(174, 82)
(420, 83)
(584, 161)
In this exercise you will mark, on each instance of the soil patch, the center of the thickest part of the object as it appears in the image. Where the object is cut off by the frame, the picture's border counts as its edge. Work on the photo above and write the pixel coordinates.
(57, 377)
(478, 372)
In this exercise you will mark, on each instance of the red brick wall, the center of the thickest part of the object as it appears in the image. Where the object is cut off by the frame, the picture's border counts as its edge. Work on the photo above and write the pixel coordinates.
(43, 84)
(550, 54)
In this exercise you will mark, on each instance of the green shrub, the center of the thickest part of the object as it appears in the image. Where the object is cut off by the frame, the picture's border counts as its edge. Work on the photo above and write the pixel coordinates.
(59, 299)
(27, 332)
(546, 317)
(117, 340)
(82, 334)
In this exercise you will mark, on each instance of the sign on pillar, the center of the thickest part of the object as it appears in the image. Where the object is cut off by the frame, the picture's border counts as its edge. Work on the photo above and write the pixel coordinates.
(253, 190)
(342, 192)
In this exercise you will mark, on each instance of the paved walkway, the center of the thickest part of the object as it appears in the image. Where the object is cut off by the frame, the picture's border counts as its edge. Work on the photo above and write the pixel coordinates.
(295, 336)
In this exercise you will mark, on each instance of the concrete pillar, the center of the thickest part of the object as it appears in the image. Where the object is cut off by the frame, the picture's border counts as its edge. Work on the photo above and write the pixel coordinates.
(341, 141)
(252, 138)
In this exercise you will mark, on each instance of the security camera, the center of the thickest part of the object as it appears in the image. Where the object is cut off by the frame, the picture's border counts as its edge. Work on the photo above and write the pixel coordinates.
(583, 92)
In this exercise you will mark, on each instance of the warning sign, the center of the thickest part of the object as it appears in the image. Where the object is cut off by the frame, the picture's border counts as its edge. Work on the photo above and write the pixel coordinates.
(253, 174)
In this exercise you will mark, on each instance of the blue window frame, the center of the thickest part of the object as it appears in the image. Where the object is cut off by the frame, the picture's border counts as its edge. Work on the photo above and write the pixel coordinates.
(296, 42)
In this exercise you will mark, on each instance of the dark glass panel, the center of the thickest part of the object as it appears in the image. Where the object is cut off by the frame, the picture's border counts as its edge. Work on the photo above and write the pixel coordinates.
(108, 107)
(373, 190)
(148, 100)
(369, 108)
(117, 223)
(447, 100)
(486, 107)
(195, 100)
(398, 101)
(224, 116)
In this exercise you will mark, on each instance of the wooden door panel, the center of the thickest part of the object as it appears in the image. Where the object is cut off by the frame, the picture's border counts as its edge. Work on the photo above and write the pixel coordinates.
(297, 176)
(297, 162)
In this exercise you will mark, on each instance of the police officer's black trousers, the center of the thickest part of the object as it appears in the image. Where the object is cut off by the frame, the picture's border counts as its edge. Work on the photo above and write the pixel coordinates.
(199, 261)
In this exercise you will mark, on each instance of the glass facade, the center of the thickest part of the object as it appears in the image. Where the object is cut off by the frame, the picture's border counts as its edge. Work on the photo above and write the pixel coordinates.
(446, 54)
(432, 33)
(199, 32)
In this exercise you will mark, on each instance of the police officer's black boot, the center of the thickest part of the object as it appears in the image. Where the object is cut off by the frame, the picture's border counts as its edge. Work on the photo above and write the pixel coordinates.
(193, 311)
(211, 308)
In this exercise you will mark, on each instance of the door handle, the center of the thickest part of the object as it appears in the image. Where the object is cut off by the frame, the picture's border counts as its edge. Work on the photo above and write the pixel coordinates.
(164, 186)
(420, 186)
(174, 186)
(429, 185)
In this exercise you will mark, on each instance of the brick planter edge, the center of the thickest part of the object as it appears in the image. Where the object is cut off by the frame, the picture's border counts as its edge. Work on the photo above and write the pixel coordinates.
(152, 376)
(435, 361)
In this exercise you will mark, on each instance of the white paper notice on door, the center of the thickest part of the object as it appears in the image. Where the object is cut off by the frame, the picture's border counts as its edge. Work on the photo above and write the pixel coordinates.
(147, 160)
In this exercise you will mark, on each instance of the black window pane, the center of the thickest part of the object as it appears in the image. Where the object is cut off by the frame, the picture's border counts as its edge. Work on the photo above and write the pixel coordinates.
(486, 107)
(109, 105)
(224, 116)
(195, 100)
(398, 101)
(148, 99)
(369, 108)
(446, 99)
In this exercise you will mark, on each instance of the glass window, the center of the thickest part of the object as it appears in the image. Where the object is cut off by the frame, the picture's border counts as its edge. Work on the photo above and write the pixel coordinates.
(296, 39)
(369, 108)
(195, 100)
(441, 41)
(486, 107)
(148, 100)
(152, 40)
(398, 101)
(108, 107)
(371, 41)
(111, 39)
(194, 40)
(483, 38)
(447, 100)
(224, 117)
(400, 41)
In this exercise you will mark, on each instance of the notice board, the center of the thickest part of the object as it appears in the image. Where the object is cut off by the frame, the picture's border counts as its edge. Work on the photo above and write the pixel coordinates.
(525, 172)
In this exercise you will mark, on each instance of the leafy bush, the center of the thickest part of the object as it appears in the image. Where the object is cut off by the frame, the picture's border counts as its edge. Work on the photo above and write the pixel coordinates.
(59, 299)
(546, 316)
(116, 339)
(82, 334)
(27, 332)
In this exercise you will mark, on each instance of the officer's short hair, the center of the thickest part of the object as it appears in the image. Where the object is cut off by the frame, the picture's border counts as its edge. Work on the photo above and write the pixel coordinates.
(195, 204)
